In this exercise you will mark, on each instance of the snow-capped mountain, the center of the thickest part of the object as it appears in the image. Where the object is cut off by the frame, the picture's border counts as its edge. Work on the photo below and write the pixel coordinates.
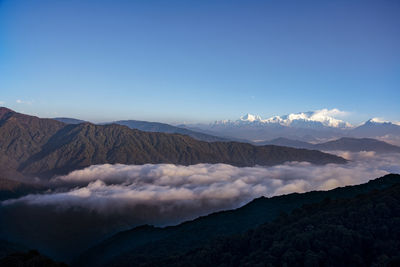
(377, 127)
(313, 126)
(381, 121)
(312, 119)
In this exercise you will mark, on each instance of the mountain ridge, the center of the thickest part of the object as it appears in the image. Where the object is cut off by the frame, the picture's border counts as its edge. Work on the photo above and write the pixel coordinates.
(45, 147)
(313, 126)
(342, 144)
(167, 128)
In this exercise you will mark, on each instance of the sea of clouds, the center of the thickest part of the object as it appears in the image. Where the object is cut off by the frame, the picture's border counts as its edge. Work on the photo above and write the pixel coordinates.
(203, 187)
(88, 205)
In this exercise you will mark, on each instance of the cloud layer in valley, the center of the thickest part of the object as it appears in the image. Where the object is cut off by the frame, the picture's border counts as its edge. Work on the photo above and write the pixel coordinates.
(202, 187)
(90, 204)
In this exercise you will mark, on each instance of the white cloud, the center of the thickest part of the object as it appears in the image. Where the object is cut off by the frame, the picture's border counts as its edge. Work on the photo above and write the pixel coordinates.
(202, 188)
(2, 102)
(19, 101)
(327, 117)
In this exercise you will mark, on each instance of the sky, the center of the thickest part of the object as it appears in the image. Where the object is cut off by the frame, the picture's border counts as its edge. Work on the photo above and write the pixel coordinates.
(199, 61)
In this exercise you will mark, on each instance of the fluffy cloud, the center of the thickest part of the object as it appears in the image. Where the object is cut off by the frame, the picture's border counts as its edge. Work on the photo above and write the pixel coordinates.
(325, 116)
(331, 112)
(112, 188)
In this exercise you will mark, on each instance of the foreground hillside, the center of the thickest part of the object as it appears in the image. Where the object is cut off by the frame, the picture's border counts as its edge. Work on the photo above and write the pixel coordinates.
(44, 147)
(361, 231)
(151, 245)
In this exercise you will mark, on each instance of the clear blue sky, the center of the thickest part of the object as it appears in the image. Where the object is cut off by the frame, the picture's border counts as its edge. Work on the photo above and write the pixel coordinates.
(199, 60)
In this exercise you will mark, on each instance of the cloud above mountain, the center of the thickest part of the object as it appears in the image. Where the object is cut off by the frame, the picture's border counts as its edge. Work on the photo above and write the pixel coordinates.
(202, 188)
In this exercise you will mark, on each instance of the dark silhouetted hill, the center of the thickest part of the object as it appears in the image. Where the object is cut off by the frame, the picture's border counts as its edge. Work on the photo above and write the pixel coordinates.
(146, 244)
(359, 231)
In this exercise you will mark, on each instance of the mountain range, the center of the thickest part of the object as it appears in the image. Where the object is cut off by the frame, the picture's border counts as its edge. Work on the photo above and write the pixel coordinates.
(353, 144)
(167, 128)
(305, 126)
(310, 119)
(31, 146)
(35, 149)
(315, 126)
(342, 144)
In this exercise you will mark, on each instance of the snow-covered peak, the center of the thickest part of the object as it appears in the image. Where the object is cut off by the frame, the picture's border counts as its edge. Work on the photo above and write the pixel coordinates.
(381, 121)
(250, 118)
(323, 117)
(377, 120)
(319, 118)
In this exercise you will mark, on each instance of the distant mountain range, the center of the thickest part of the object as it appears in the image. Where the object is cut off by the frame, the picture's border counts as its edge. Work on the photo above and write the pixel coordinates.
(343, 144)
(315, 126)
(374, 127)
(69, 120)
(166, 128)
(152, 246)
(159, 127)
(304, 126)
(311, 119)
(31, 146)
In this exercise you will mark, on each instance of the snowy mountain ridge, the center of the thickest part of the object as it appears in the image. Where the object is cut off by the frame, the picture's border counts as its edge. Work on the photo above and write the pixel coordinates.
(319, 118)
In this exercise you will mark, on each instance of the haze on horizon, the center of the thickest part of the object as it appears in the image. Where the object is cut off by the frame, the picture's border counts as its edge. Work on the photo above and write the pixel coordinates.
(199, 62)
